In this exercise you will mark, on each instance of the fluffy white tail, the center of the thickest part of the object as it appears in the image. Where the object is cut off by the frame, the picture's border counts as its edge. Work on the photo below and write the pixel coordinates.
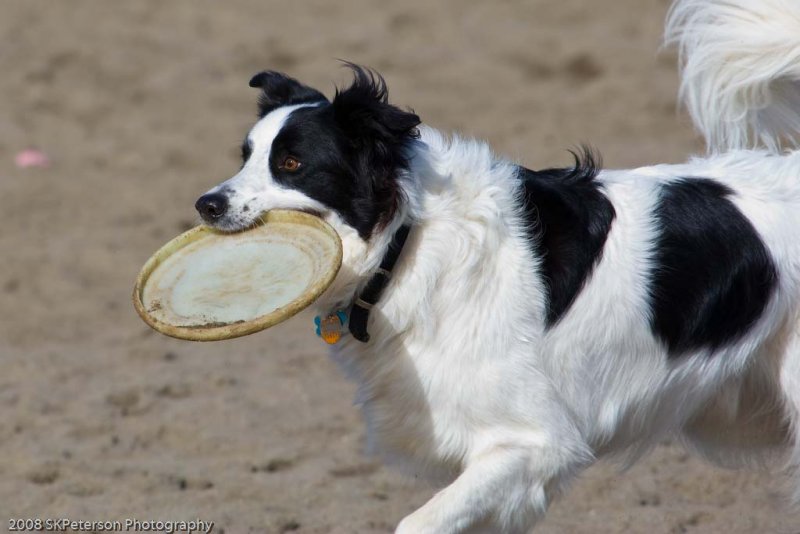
(740, 66)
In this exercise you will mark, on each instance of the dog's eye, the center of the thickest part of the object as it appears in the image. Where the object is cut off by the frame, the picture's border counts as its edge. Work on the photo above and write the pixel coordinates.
(290, 163)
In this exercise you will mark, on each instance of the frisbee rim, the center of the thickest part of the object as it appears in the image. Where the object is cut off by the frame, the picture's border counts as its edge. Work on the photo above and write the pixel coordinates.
(219, 332)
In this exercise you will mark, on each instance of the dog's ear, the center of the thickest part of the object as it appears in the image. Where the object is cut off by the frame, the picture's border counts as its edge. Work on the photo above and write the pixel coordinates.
(362, 111)
(278, 89)
(379, 132)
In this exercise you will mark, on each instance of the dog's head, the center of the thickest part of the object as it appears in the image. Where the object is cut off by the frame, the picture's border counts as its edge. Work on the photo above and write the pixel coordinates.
(340, 157)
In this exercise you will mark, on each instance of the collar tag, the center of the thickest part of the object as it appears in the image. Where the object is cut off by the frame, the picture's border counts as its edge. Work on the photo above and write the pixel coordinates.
(331, 327)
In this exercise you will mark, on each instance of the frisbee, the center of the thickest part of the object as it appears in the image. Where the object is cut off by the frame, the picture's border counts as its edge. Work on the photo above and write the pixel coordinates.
(208, 285)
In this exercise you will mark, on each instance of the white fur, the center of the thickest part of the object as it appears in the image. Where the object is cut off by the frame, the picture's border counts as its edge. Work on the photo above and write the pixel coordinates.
(462, 383)
(740, 69)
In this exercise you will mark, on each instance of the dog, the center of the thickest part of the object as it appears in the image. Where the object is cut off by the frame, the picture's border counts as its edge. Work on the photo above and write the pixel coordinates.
(509, 327)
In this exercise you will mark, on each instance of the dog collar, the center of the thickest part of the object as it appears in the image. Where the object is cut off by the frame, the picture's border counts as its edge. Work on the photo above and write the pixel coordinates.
(331, 327)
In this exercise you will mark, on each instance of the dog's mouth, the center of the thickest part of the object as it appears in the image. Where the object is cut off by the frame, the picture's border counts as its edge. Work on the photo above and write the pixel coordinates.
(237, 224)
(315, 213)
(232, 227)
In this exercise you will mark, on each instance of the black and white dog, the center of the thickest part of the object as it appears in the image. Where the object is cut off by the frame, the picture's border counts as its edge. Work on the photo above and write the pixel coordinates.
(536, 321)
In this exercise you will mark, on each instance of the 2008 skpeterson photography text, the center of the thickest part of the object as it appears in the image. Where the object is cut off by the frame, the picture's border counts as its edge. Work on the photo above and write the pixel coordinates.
(125, 525)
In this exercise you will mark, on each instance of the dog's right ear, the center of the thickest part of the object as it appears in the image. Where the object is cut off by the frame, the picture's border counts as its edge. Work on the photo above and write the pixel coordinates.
(278, 89)
(364, 112)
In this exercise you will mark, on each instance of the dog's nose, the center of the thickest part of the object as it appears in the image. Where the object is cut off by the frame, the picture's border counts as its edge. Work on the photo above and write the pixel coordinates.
(212, 206)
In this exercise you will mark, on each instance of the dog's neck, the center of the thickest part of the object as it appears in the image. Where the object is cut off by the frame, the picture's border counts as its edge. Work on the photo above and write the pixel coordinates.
(361, 259)
(459, 213)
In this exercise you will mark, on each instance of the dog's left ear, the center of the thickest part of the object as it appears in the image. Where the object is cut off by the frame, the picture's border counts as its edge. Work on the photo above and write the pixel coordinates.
(278, 89)
(364, 113)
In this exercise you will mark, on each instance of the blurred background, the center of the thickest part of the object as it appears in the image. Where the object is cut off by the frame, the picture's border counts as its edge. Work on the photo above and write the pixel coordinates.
(136, 108)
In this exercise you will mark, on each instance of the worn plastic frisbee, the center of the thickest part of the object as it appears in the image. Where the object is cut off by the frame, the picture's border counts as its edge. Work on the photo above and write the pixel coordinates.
(206, 285)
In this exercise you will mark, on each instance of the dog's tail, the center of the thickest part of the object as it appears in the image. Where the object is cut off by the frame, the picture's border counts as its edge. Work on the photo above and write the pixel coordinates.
(740, 66)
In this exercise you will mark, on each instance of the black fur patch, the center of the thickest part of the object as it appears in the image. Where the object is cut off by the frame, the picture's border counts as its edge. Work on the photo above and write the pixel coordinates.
(713, 276)
(247, 150)
(350, 152)
(278, 89)
(569, 218)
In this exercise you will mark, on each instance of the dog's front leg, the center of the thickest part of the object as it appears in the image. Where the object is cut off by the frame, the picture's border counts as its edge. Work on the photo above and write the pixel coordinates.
(502, 490)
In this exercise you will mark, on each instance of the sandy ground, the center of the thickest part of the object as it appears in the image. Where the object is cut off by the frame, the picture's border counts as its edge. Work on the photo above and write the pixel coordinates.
(141, 107)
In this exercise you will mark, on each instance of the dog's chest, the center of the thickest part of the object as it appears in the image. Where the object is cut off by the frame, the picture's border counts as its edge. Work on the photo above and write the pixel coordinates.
(425, 406)
(451, 342)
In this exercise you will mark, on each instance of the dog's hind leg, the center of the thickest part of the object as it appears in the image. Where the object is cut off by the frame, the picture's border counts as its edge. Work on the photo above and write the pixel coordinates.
(505, 489)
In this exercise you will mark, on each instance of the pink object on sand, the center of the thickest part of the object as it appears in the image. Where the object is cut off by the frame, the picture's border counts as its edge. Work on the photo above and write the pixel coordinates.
(31, 158)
